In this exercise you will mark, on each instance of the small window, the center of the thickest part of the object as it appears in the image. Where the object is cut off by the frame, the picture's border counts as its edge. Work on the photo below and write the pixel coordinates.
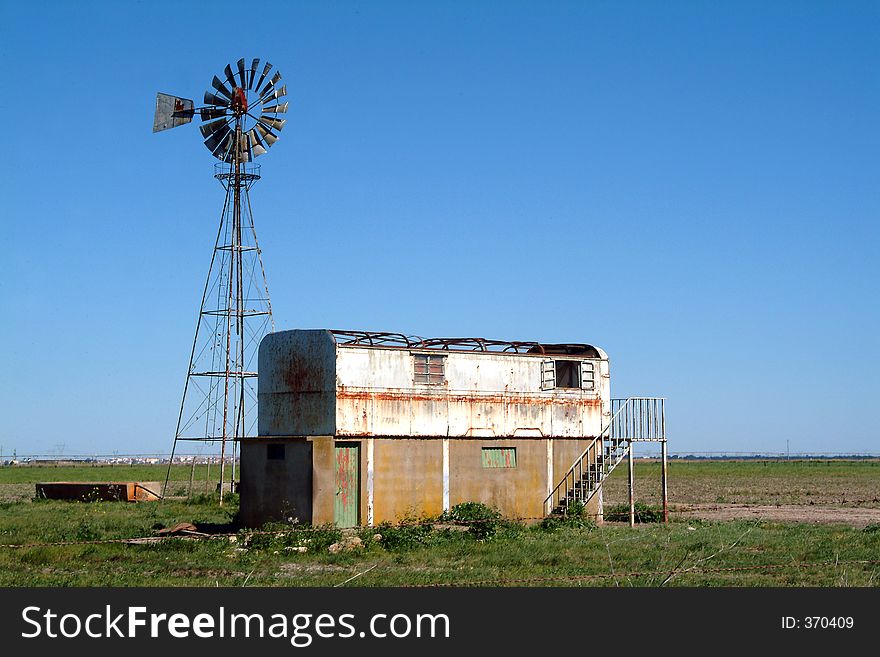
(429, 369)
(499, 457)
(568, 374)
(275, 452)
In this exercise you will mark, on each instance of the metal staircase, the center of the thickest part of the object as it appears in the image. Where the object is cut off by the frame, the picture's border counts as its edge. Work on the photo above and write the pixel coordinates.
(635, 419)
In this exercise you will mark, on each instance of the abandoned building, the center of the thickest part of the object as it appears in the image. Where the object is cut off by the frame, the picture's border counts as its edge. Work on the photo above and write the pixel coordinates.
(359, 428)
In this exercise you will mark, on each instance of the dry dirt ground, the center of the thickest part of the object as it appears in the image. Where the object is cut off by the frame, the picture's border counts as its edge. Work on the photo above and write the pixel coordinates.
(853, 516)
(811, 492)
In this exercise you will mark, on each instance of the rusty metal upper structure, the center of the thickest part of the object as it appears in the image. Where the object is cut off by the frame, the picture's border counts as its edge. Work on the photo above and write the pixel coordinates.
(347, 383)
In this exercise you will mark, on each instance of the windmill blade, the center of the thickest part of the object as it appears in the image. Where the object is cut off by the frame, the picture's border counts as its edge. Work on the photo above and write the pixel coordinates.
(271, 83)
(225, 147)
(232, 155)
(219, 86)
(275, 109)
(266, 70)
(230, 76)
(246, 144)
(253, 74)
(209, 129)
(254, 142)
(171, 111)
(211, 99)
(214, 141)
(264, 96)
(267, 89)
(207, 113)
(279, 93)
(266, 135)
(252, 138)
(273, 93)
(240, 65)
(239, 149)
(276, 124)
(276, 94)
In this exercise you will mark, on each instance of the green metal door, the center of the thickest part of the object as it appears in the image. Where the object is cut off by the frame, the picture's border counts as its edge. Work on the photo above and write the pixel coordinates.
(346, 510)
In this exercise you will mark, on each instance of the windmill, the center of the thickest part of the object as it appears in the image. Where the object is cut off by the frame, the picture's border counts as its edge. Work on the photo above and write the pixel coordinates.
(241, 119)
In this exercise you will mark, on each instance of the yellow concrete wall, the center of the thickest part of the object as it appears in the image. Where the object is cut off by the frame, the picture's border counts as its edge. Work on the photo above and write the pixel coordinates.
(516, 492)
(408, 479)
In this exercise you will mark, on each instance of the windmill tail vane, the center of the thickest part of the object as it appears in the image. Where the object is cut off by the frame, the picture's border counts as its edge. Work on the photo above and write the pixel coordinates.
(242, 117)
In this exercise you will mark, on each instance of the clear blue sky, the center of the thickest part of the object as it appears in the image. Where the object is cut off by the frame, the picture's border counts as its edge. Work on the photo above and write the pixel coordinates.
(691, 185)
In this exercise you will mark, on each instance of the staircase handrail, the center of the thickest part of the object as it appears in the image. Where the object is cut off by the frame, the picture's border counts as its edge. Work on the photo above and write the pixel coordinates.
(606, 433)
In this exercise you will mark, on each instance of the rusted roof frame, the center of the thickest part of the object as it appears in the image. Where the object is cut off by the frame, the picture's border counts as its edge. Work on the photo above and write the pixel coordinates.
(402, 341)
(375, 338)
(478, 344)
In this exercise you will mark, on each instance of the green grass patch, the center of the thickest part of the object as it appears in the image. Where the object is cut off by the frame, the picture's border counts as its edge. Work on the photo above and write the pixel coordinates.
(641, 511)
(561, 554)
(575, 517)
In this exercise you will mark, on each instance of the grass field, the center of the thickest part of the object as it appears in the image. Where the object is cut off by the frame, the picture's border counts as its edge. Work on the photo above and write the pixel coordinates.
(17, 483)
(685, 552)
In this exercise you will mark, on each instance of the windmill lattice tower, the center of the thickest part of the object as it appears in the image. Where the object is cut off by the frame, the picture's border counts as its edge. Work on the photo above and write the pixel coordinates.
(240, 121)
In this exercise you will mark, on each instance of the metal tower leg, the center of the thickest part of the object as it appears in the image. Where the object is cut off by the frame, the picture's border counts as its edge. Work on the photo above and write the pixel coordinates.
(632, 503)
(663, 483)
